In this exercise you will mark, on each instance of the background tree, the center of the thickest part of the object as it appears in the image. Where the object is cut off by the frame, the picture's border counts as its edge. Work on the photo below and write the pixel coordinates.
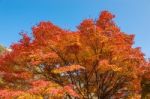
(2, 49)
(96, 61)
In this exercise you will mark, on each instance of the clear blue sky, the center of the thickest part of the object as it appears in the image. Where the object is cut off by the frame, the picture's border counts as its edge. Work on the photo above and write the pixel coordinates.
(132, 16)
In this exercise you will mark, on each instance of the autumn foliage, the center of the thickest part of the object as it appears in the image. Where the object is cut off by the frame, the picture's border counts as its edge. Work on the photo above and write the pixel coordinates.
(97, 60)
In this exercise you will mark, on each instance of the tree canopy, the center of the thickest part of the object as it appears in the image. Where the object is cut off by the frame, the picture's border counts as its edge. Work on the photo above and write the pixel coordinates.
(97, 60)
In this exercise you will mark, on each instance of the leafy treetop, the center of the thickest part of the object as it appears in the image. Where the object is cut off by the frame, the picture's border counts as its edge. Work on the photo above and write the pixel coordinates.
(98, 60)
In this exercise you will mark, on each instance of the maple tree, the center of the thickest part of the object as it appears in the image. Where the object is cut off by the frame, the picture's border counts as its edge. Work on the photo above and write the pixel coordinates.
(96, 61)
(145, 83)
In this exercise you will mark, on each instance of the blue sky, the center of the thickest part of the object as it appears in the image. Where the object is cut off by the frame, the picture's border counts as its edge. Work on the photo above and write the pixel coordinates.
(132, 16)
